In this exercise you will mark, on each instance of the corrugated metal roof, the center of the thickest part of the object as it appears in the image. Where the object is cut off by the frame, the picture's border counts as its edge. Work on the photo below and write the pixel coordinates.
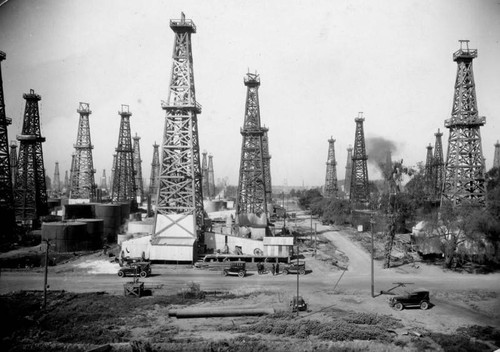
(278, 241)
(173, 241)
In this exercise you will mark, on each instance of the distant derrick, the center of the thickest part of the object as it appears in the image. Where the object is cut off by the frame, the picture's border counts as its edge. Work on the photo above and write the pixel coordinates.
(204, 172)
(56, 182)
(124, 187)
(211, 181)
(155, 172)
(331, 188)
(464, 169)
(138, 169)
(251, 198)
(104, 181)
(113, 169)
(348, 170)
(359, 192)
(437, 167)
(496, 157)
(30, 194)
(267, 164)
(7, 218)
(13, 162)
(429, 174)
(82, 183)
(180, 179)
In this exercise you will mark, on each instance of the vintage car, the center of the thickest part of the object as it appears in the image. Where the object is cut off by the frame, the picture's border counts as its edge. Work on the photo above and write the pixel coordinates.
(416, 298)
(235, 268)
(143, 269)
(298, 304)
(295, 267)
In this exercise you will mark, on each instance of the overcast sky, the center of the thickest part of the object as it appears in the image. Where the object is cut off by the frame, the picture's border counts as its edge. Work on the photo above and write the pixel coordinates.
(320, 63)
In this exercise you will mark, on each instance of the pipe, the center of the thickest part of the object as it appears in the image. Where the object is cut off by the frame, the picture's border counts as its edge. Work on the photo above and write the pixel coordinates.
(218, 312)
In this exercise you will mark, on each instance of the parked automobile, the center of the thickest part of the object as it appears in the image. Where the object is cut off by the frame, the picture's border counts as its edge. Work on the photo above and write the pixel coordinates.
(295, 267)
(298, 304)
(235, 268)
(143, 269)
(416, 298)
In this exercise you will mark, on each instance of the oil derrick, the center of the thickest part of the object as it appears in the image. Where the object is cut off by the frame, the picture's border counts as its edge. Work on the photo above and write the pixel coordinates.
(66, 184)
(204, 174)
(359, 175)
(13, 162)
(124, 178)
(104, 182)
(82, 178)
(211, 181)
(348, 170)
(30, 194)
(496, 157)
(138, 169)
(155, 172)
(267, 165)
(56, 182)
(331, 171)
(438, 167)
(180, 197)
(251, 197)
(428, 173)
(464, 169)
(7, 218)
(113, 169)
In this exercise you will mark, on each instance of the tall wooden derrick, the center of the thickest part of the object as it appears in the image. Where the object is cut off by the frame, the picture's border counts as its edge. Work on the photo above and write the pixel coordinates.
(138, 169)
(438, 167)
(104, 181)
(267, 165)
(82, 182)
(13, 162)
(180, 199)
(124, 187)
(155, 173)
(56, 182)
(7, 218)
(113, 169)
(428, 173)
(331, 187)
(359, 192)
(204, 175)
(348, 170)
(464, 168)
(251, 196)
(496, 157)
(211, 180)
(30, 194)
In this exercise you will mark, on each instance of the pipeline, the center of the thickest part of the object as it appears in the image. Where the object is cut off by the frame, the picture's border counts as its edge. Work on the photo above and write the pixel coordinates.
(218, 312)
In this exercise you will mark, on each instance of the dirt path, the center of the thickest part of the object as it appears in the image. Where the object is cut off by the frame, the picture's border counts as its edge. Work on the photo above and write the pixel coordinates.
(359, 259)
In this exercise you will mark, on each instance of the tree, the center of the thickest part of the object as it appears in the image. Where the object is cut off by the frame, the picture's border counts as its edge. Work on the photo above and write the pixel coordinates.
(308, 197)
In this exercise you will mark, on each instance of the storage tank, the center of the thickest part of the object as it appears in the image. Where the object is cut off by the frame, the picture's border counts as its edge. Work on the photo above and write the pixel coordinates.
(111, 216)
(78, 211)
(95, 233)
(125, 212)
(65, 236)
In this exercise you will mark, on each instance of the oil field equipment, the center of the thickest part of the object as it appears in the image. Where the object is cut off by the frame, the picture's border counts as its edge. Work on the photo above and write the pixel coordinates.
(437, 167)
(204, 175)
(348, 171)
(138, 169)
(496, 157)
(267, 165)
(155, 173)
(359, 175)
(211, 181)
(331, 188)
(464, 168)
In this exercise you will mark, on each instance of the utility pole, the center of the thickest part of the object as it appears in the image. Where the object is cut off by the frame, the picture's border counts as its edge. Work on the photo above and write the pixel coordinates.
(372, 254)
(47, 245)
(297, 301)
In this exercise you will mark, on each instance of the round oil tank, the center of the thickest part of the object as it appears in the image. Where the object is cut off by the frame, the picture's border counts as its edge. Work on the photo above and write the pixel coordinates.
(75, 211)
(95, 231)
(110, 213)
(125, 211)
(65, 236)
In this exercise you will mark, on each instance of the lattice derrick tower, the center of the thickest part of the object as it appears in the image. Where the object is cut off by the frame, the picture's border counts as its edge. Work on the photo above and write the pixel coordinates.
(124, 187)
(155, 172)
(138, 168)
(496, 157)
(13, 162)
(267, 164)
(204, 171)
(104, 181)
(428, 172)
(438, 166)
(56, 182)
(30, 194)
(348, 170)
(211, 180)
(82, 180)
(359, 192)
(180, 178)
(331, 188)
(113, 169)
(251, 194)
(464, 168)
(7, 217)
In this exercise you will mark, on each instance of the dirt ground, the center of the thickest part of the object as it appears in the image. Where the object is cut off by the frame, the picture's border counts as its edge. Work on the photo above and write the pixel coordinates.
(341, 316)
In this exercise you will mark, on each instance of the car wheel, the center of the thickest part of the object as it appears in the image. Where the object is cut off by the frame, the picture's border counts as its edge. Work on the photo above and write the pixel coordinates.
(224, 272)
(398, 306)
(424, 305)
(120, 273)
(241, 274)
(143, 274)
(285, 272)
(302, 272)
